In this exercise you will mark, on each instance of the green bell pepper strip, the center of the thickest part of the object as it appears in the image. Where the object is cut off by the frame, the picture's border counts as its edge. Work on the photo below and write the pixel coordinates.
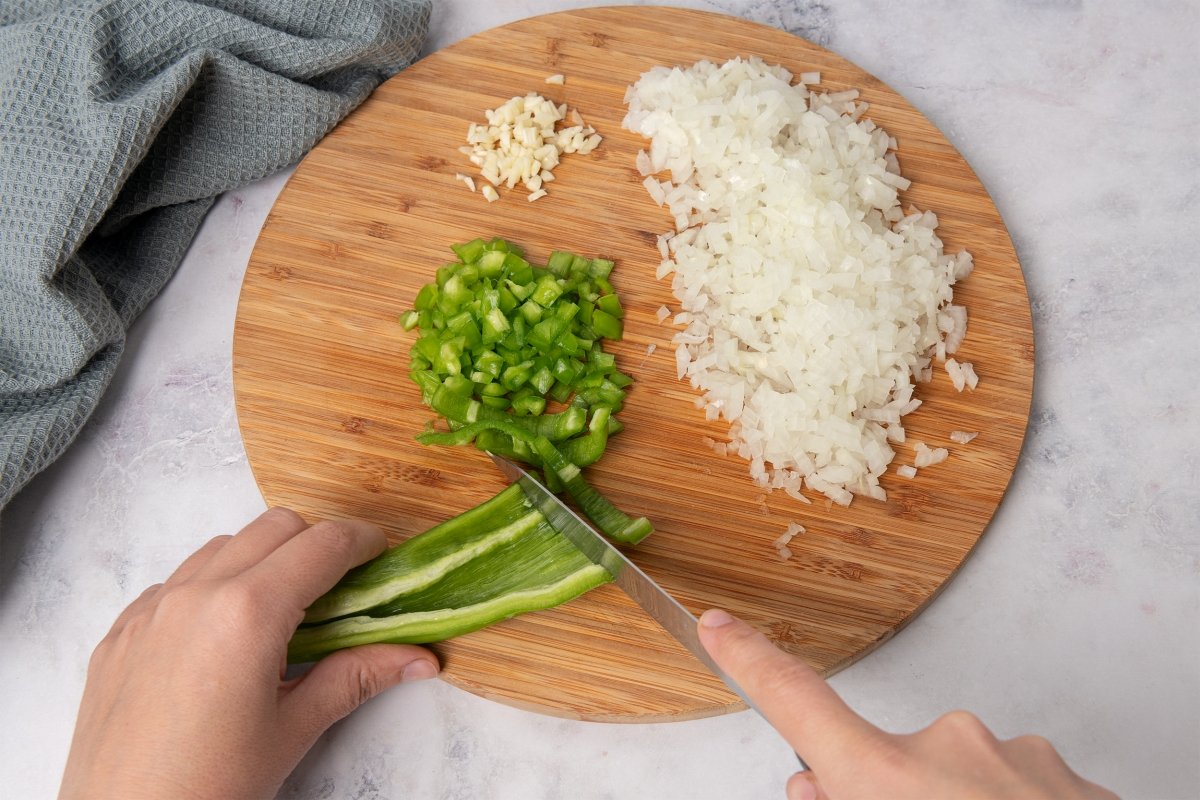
(587, 449)
(423, 627)
(427, 558)
(540, 557)
(613, 522)
(497, 560)
(500, 443)
(580, 450)
(529, 405)
(460, 408)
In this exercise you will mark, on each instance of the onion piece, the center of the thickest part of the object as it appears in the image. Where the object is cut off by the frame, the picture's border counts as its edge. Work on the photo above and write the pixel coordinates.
(927, 457)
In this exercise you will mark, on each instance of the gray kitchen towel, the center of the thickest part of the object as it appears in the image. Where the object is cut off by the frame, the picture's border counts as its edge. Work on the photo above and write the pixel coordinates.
(120, 123)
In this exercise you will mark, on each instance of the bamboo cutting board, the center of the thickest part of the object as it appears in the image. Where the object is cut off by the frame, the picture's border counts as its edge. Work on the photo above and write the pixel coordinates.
(328, 413)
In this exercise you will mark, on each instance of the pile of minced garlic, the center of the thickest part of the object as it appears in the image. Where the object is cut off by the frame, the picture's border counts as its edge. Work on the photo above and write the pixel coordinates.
(519, 144)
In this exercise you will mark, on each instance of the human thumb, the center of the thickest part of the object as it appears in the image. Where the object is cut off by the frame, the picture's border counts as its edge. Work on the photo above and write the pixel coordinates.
(342, 681)
(804, 786)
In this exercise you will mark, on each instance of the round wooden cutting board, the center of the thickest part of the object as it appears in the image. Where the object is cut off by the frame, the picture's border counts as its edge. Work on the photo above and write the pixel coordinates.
(328, 412)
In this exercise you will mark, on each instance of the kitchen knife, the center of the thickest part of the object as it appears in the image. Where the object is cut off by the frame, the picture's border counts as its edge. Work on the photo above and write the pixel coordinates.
(654, 600)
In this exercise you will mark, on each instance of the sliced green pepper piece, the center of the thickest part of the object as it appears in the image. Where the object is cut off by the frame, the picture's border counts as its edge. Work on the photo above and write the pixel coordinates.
(547, 332)
(493, 562)
(491, 263)
(560, 262)
(609, 304)
(426, 297)
(427, 558)
(468, 252)
(546, 291)
(608, 518)
(531, 311)
(587, 449)
(605, 324)
(465, 410)
(600, 268)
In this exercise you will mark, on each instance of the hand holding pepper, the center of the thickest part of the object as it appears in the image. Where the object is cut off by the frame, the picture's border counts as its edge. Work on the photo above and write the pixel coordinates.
(954, 758)
(186, 697)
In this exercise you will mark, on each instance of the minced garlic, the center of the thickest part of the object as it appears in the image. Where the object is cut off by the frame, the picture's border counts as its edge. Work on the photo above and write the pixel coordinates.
(520, 145)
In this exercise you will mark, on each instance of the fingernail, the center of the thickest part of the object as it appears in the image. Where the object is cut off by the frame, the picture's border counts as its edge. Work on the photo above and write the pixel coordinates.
(419, 670)
(715, 618)
(802, 789)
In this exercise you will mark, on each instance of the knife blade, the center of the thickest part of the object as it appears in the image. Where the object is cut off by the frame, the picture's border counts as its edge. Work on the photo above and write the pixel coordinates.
(641, 588)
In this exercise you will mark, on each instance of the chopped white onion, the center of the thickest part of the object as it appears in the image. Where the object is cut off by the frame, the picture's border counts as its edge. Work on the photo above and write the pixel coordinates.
(969, 375)
(664, 249)
(962, 437)
(927, 457)
(643, 163)
(955, 371)
(813, 302)
(655, 189)
(962, 375)
(958, 328)
(793, 530)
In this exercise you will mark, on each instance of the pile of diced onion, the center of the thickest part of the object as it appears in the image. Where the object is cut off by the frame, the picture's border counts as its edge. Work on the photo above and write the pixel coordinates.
(811, 301)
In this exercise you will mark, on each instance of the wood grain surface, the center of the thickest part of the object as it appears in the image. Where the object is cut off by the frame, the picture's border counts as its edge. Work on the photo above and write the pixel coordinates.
(328, 413)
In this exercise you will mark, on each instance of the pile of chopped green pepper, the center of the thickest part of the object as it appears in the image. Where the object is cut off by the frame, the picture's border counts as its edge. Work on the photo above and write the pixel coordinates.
(500, 339)
(512, 335)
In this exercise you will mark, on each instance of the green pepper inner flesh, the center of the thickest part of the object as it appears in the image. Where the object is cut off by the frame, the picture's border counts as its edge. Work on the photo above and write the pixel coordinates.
(506, 560)
(422, 627)
(426, 559)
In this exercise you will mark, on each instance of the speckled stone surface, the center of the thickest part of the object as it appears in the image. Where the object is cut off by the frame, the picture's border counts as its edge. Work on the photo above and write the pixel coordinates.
(1078, 617)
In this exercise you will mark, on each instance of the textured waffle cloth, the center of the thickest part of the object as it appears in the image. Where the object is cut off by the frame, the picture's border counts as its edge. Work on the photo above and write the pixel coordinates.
(120, 123)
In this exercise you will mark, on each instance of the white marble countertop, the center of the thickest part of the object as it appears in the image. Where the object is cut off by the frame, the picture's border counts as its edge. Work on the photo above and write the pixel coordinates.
(1078, 617)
